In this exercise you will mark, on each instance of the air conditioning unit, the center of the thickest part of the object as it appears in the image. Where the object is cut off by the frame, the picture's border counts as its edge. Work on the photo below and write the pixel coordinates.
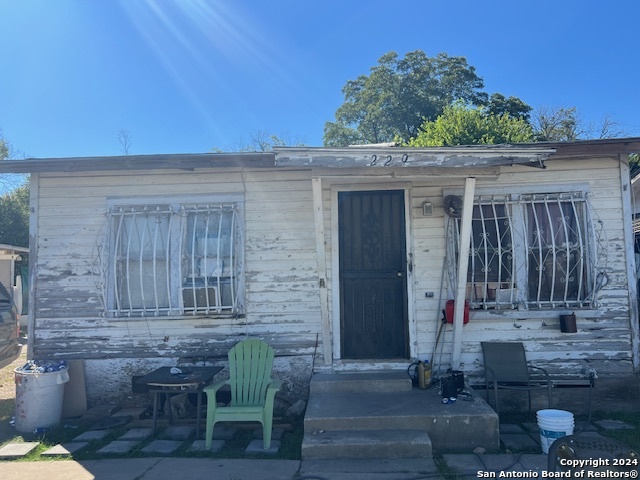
(199, 298)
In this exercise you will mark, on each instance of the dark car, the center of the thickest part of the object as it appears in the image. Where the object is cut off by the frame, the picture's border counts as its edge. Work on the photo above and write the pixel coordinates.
(9, 328)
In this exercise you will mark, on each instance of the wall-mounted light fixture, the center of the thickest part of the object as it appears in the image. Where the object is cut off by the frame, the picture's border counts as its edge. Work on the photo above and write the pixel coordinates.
(427, 209)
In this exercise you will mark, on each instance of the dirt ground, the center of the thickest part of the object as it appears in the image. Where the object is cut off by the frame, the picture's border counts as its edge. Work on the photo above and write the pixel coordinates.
(7, 382)
(8, 395)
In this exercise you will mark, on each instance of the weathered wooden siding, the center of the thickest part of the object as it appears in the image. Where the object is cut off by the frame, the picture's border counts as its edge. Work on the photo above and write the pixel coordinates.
(281, 281)
(281, 274)
(603, 339)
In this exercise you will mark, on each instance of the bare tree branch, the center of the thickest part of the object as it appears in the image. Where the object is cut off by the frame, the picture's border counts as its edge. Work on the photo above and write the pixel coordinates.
(260, 141)
(124, 137)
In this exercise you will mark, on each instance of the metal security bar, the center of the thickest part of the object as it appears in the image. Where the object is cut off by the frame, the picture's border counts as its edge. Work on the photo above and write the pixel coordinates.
(558, 246)
(141, 263)
(210, 263)
(490, 278)
(174, 260)
(532, 251)
(492, 259)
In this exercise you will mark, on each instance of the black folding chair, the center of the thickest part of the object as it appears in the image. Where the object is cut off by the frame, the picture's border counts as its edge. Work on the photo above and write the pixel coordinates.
(506, 367)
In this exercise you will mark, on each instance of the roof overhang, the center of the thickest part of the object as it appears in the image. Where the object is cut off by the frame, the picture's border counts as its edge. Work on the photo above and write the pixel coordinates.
(189, 162)
(11, 252)
(392, 157)
(591, 148)
(364, 156)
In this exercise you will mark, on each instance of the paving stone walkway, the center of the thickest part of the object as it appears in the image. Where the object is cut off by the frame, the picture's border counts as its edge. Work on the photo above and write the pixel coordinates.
(522, 438)
(514, 438)
(167, 442)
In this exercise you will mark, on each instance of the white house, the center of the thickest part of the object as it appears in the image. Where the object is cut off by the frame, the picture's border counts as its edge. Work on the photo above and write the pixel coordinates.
(341, 259)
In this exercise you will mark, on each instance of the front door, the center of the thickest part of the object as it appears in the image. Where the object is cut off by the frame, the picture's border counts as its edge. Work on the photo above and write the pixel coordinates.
(373, 271)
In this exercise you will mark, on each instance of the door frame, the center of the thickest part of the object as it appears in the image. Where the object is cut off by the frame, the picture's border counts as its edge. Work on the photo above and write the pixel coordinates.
(335, 266)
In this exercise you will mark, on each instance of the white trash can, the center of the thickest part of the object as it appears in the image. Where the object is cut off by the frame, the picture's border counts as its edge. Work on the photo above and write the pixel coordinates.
(553, 424)
(39, 399)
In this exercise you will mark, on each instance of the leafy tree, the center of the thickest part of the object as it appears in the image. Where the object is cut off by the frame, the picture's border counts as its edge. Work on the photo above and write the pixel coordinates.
(9, 181)
(634, 164)
(399, 94)
(460, 125)
(7, 150)
(14, 217)
(499, 105)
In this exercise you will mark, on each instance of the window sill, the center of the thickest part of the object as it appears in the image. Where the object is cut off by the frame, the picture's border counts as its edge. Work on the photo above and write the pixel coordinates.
(551, 314)
(154, 318)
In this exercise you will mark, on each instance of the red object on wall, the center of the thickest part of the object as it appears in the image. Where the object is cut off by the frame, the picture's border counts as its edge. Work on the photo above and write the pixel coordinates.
(448, 311)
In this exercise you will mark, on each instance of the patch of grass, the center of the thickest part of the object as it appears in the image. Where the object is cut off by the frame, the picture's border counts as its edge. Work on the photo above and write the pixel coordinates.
(631, 438)
(445, 470)
(234, 448)
(291, 447)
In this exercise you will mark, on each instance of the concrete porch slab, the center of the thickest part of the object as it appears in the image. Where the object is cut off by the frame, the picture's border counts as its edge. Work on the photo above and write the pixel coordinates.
(370, 444)
(463, 425)
(373, 382)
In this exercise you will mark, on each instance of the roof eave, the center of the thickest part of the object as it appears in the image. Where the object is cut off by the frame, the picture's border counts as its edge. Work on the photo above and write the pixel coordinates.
(188, 162)
(375, 156)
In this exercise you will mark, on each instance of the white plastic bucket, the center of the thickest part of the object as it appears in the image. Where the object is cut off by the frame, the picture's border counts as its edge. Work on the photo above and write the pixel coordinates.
(553, 424)
(39, 399)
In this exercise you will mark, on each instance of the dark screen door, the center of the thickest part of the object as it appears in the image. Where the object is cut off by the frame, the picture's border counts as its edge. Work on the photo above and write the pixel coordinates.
(373, 270)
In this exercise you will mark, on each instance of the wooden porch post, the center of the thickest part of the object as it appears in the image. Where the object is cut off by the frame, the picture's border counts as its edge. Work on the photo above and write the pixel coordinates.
(318, 217)
(34, 202)
(463, 265)
(627, 215)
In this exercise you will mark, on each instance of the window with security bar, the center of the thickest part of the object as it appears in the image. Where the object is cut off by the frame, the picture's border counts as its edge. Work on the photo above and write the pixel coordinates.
(175, 259)
(558, 250)
(529, 251)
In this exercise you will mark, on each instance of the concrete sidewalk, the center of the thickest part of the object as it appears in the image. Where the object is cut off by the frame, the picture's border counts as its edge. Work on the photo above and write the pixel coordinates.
(151, 469)
(220, 469)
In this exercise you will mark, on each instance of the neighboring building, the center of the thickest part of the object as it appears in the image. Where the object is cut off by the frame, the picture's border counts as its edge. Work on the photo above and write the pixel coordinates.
(11, 276)
(635, 208)
(339, 258)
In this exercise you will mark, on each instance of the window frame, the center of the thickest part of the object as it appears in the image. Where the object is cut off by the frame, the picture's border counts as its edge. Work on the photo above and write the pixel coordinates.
(180, 207)
(515, 203)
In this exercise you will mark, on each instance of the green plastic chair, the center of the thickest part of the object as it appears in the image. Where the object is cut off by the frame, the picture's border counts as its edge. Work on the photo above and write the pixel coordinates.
(252, 390)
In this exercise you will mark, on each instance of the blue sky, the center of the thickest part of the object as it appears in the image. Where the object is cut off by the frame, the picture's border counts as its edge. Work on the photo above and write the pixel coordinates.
(187, 76)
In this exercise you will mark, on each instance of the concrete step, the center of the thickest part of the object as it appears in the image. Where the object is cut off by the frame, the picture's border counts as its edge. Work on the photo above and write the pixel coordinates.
(365, 382)
(461, 425)
(356, 411)
(366, 444)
